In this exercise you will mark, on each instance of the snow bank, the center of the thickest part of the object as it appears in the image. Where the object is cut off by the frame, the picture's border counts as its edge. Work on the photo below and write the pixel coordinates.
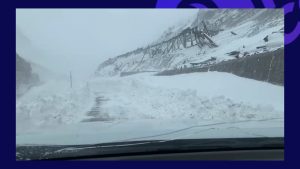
(51, 104)
(215, 84)
(143, 106)
(198, 96)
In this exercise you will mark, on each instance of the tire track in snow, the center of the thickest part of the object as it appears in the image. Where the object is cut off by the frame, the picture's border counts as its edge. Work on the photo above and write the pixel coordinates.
(96, 113)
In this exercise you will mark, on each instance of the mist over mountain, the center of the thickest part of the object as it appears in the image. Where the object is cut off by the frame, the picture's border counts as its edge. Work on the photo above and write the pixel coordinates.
(29, 72)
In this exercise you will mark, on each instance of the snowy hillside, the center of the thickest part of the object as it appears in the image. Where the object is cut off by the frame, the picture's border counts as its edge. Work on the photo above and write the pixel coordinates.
(27, 60)
(25, 77)
(245, 31)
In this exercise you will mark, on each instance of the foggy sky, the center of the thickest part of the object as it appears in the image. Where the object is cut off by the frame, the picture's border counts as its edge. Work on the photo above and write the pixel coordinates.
(78, 40)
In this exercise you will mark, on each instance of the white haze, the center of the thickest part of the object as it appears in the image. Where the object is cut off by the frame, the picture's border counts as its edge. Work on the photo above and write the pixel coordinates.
(78, 40)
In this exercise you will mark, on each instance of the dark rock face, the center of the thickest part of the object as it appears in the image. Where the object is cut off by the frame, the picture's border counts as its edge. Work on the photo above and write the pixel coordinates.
(268, 67)
(25, 79)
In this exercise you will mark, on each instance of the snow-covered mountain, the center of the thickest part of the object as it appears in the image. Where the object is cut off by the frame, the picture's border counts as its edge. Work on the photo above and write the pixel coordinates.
(243, 30)
(29, 52)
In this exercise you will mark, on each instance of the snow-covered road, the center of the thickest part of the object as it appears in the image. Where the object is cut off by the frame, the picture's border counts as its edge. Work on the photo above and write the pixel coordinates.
(142, 105)
(199, 96)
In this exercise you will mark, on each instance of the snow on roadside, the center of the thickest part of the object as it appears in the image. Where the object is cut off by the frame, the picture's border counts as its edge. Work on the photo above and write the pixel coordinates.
(51, 104)
(194, 97)
(197, 96)
(143, 106)
(214, 84)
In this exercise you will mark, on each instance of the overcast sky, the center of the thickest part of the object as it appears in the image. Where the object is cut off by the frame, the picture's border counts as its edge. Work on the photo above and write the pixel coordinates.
(80, 39)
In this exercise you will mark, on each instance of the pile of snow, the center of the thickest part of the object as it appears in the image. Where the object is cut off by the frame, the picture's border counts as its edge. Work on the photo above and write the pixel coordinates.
(143, 106)
(51, 104)
(196, 96)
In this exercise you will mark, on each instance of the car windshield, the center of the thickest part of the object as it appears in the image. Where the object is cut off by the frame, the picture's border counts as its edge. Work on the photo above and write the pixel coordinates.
(132, 76)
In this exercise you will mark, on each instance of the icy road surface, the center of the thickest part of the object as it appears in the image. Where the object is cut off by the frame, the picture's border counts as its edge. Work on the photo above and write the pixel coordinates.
(142, 106)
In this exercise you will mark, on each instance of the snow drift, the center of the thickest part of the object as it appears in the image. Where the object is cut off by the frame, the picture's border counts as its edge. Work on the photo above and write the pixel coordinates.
(164, 104)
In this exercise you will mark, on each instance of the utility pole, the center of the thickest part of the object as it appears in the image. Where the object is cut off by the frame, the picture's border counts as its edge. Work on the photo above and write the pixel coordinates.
(71, 79)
